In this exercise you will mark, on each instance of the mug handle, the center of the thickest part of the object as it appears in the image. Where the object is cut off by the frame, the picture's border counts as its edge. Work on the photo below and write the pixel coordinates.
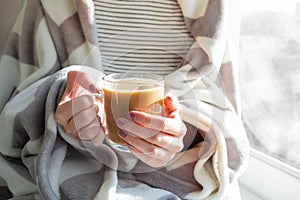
(98, 95)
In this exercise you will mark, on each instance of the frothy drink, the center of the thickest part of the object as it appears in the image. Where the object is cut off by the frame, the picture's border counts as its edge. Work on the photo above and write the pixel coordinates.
(122, 96)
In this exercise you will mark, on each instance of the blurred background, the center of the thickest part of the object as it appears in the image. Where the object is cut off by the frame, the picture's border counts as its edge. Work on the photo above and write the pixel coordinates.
(270, 76)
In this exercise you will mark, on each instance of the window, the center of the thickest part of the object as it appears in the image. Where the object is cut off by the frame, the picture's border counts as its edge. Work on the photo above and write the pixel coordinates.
(270, 90)
(270, 77)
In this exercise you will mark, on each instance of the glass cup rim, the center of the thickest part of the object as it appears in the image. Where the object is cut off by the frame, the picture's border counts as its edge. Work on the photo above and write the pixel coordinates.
(115, 77)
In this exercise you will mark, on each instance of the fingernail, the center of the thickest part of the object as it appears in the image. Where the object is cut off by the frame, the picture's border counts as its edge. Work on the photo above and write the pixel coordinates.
(121, 122)
(122, 134)
(92, 88)
(132, 115)
(168, 98)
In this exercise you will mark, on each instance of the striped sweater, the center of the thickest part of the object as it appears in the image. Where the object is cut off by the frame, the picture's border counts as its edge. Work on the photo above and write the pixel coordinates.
(141, 36)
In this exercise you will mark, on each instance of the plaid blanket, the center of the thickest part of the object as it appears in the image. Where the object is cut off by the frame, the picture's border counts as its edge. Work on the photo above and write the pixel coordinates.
(38, 160)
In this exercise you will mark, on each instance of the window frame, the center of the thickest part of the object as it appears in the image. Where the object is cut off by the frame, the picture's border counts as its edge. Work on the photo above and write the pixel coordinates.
(270, 178)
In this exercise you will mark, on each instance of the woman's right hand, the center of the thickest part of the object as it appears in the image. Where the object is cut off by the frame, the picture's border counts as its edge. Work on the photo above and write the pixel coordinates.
(77, 111)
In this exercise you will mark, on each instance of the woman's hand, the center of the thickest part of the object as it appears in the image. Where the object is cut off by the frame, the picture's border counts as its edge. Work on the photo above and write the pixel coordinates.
(154, 139)
(77, 112)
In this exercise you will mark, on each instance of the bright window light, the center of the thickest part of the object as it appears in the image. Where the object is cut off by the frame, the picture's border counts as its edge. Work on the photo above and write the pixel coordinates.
(270, 76)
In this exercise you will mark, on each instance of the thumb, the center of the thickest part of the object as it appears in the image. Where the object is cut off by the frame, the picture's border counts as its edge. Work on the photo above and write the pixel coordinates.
(78, 78)
(75, 80)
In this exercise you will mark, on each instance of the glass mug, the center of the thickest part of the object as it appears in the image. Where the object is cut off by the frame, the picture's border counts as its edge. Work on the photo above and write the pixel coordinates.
(124, 92)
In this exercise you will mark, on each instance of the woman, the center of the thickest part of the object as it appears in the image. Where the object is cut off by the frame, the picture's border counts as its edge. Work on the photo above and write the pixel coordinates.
(72, 160)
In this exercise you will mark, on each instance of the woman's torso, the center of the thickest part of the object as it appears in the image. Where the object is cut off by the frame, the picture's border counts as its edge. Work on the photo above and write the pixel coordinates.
(141, 35)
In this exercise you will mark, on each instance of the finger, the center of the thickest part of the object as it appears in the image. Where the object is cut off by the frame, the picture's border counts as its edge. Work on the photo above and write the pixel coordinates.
(98, 140)
(160, 139)
(135, 129)
(80, 121)
(67, 110)
(85, 117)
(171, 107)
(173, 126)
(166, 141)
(91, 130)
(153, 162)
(82, 79)
(145, 147)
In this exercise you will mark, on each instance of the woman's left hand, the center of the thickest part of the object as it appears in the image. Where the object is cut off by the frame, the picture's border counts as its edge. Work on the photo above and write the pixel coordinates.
(154, 139)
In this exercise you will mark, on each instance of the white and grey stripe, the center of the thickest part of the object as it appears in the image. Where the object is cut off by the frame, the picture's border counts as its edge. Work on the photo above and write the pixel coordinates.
(141, 35)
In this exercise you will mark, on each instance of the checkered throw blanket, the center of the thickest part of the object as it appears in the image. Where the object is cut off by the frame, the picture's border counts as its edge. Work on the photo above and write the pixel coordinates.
(38, 160)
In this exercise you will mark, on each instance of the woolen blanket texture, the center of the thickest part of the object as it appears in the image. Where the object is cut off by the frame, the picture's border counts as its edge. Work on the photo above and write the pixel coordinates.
(39, 161)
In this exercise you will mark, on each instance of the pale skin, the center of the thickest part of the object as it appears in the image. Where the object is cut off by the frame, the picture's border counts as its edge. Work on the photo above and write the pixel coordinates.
(153, 139)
